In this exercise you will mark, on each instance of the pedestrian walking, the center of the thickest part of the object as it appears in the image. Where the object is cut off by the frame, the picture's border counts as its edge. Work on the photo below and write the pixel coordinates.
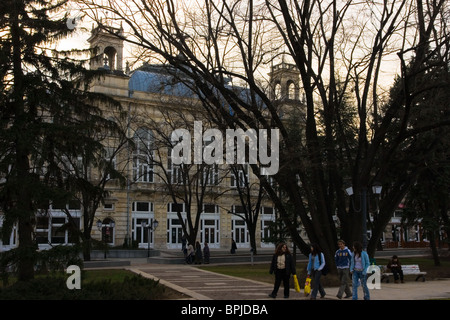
(233, 246)
(358, 268)
(183, 245)
(198, 253)
(190, 254)
(283, 265)
(316, 263)
(396, 268)
(343, 257)
(206, 253)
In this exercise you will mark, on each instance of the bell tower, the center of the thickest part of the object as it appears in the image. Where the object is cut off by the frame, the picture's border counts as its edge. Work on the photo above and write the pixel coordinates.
(106, 45)
(285, 90)
(285, 82)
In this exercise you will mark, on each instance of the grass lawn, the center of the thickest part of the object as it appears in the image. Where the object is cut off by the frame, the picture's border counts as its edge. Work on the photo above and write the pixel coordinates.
(260, 272)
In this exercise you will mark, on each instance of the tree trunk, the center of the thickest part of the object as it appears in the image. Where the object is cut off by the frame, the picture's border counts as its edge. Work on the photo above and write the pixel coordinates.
(252, 234)
(87, 244)
(26, 249)
(434, 250)
(22, 177)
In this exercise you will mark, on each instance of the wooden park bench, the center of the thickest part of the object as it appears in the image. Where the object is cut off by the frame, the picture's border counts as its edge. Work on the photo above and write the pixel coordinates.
(408, 269)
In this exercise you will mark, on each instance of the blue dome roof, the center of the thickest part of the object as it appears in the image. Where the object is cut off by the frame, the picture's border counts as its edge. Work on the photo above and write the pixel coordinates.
(155, 80)
(163, 79)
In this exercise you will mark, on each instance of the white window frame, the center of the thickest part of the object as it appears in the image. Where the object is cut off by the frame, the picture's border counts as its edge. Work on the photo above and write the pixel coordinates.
(242, 177)
(266, 217)
(172, 226)
(142, 156)
(210, 220)
(139, 216)
(56, 213)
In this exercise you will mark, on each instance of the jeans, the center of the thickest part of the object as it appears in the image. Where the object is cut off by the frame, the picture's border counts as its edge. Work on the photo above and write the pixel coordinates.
(359, 276)
(397, 274)
(317, 286)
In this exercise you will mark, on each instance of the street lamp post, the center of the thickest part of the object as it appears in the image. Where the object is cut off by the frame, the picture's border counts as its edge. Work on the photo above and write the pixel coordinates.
(376, 189)
(99, 227)
(152, 227)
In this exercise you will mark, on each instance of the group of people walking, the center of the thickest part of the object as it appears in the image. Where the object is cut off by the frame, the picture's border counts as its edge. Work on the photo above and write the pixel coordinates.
(195, 255)
(347, 262)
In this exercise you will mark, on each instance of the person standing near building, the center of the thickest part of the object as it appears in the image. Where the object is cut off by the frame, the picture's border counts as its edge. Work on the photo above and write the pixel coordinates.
(206, 253)
(183, 246)
(343, 258)
(316, 263)
(233, 246)
(283, 265)
(190, 254)
(358, 268)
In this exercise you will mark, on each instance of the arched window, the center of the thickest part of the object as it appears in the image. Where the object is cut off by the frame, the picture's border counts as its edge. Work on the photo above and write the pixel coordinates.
(142, 155)
(292, 91)
(110, 57)
(277, 91)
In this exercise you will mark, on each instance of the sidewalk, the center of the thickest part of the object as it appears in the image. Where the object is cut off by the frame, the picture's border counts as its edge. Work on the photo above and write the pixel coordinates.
(200, 284)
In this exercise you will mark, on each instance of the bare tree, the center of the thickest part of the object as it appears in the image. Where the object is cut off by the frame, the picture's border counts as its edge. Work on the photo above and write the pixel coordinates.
(341, 50)
(251, 196)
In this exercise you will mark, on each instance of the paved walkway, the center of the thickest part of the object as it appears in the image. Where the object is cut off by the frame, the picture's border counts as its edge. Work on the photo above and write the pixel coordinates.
(200, 284)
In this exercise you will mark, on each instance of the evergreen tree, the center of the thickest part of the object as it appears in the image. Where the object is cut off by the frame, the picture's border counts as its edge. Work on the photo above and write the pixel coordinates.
(48, 118)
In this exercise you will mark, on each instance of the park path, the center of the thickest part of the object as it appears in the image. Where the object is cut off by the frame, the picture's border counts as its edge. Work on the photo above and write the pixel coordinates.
(200, 284)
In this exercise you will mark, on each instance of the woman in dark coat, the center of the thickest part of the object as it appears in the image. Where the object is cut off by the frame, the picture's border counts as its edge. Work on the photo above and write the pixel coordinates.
(198, 253)
(206, 253)
(283, 266)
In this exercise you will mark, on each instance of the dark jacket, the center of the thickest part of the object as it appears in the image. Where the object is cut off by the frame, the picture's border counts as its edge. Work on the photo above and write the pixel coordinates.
(394, 265)
(289, 263)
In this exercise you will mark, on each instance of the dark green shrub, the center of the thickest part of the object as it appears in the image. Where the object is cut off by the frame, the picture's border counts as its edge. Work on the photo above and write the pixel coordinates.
(54, 287)
(58, 258)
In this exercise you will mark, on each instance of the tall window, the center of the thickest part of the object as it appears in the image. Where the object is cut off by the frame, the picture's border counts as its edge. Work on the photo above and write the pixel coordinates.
(143, 217)
(142, 155)
(267, 218)
(277, 91)
(292, 94)
(239, 176)
(210, 172)
(209, 225)
(211, 175)
(53, 225)
(110, 157)
(108, 231)
(174, 172)
(174, 228)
